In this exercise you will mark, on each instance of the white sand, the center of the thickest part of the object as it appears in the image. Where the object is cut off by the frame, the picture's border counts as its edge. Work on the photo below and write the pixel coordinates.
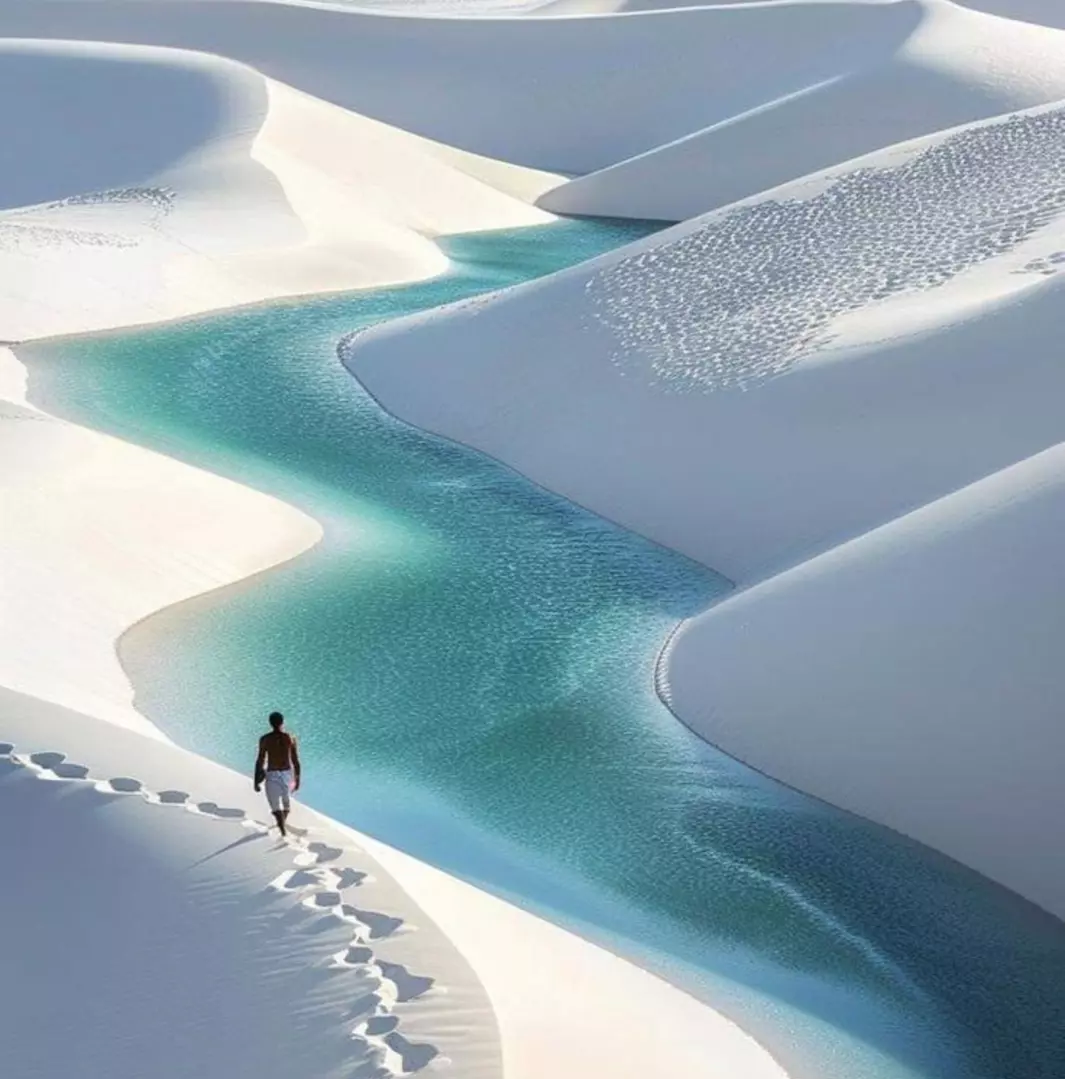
(162, 932)
(541, 979)
(1043, 12)
(566, 94)
(675, 420)
(251, 191)
(153, 941)
(927, 655)
(746, 95)
(759, 385)
(885, 73)
(98, 534)
(912, 635)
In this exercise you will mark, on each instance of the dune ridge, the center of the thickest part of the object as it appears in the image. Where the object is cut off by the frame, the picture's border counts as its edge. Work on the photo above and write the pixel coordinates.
(937, 630)
(193, 932)
(930, 67)
(787, 374)
(203, 931)
(255, 191)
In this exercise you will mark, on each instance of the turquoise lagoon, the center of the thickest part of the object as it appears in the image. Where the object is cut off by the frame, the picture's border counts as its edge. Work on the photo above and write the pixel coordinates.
(469, 662)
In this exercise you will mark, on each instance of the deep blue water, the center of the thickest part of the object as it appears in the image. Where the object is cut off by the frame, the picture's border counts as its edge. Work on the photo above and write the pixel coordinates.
(468, 661)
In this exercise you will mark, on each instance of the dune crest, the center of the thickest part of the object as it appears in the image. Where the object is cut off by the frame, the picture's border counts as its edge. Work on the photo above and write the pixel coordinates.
(761, 384)
(929, 66)
(207, 945)
(254, 191)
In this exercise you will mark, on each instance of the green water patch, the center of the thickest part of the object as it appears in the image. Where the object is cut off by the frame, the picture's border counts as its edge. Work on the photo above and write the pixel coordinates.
(469, 663)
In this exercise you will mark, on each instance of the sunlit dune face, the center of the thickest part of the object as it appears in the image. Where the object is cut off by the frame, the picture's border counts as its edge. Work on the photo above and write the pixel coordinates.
(755, 290)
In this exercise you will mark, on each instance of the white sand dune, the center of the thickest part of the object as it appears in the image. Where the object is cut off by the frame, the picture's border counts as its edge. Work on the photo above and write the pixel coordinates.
(763, 383)
(914, 69)
(162, 932)
(1043, 12)
(916, 675)
(564, 94)
(746, 95)
(159, 932)
(98, 534)
(886, 296)
(250, 190)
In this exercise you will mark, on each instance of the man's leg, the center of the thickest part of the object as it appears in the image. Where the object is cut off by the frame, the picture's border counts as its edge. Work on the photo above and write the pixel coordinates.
(277, 797)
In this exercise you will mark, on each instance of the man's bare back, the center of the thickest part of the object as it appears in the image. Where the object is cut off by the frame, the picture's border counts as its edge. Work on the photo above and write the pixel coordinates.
(278, 766)
(277, 747)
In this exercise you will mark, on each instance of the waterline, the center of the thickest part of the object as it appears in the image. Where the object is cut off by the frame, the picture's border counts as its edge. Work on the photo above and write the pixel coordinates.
(469, 662)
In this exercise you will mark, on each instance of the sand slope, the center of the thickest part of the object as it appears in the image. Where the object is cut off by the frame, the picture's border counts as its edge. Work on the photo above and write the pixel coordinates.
(205, 946)
(916, 675)
(97, 534)
(1043, 12)
(250, 190)
(936, 66)
(564, 94)
(735, 387)
(761, 384)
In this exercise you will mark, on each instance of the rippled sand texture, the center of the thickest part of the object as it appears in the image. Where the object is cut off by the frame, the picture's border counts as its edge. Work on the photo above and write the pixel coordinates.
(756, 289)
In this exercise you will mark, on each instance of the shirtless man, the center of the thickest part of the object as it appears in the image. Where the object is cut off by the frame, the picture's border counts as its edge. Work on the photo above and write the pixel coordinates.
(278, 766)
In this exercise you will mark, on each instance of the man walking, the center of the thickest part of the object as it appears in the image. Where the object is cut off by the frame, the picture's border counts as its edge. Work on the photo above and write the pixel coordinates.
(278, 766)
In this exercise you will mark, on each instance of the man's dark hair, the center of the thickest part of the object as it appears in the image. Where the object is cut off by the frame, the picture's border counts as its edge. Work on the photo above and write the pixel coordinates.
(276, 720)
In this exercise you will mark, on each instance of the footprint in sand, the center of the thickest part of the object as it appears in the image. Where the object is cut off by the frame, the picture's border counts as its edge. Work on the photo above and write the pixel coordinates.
(346, 877)
(408, 986)
(323, 901)
(377, 1025)
(387, 1053)
(212, 809)
(353, 956)
(392, 1055)
(295, 880)
(377, 924)
(54, 766)
(167, 798)
(120, 785)
(413, 1056)
(316, 854)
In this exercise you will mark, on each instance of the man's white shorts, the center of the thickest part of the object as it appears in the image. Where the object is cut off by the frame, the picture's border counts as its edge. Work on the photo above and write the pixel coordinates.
(278, 786)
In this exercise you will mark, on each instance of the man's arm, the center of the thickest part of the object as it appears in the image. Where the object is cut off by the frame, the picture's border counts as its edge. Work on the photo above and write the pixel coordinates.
(260, 765)
(295, 764)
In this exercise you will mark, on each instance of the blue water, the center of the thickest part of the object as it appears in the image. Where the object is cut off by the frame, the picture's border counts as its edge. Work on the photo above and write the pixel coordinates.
(468, 661)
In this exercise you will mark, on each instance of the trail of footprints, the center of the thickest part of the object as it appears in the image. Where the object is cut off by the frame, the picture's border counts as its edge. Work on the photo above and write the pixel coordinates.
(320, 885)
(756, 288)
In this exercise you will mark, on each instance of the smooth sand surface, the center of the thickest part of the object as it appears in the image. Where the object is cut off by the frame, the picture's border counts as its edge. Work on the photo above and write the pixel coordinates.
(1042, 12)
(735, 387)
(98, 534)
(926, 655)
(250, 190)
(888, 73)
(163, 930)
(160, 931)
(759, 385)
